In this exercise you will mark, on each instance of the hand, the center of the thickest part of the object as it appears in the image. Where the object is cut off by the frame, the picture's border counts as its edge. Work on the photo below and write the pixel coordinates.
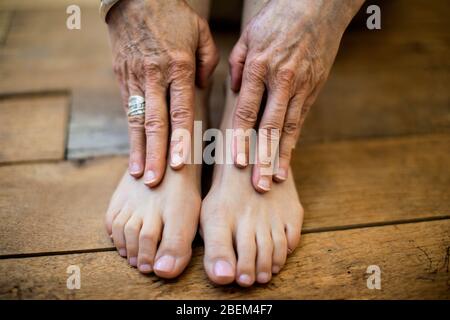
(156, 45)
(288, 50)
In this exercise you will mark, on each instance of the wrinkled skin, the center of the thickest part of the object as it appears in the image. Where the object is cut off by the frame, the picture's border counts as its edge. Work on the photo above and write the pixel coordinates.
(287, 50)
(160, 49)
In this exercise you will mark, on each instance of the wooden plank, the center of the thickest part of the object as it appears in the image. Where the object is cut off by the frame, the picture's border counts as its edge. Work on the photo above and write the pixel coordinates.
(413, 258)
(56, 207)
(5, 21)
(33, 127)
(341, 184)
(373, 181)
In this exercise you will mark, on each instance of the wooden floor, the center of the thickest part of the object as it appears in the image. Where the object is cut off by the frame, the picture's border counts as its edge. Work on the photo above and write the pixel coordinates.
(372, 167)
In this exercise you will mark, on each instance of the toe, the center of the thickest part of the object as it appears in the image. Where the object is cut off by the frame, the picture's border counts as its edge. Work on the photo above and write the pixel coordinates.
(219, 260)
(131, 231)
(246, 251)
(264, 256)
(148, 241)
(279, 248)
(175, 249)
(118, 235)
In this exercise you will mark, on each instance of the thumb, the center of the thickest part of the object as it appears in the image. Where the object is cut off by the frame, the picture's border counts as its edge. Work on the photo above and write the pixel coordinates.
(237, 61)
(207, 54)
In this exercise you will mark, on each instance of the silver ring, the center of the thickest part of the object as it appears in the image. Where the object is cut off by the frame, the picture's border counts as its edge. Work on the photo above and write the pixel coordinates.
(136, 106)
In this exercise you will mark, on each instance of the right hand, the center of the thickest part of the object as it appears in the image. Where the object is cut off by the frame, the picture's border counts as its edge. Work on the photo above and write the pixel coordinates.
(156, 45)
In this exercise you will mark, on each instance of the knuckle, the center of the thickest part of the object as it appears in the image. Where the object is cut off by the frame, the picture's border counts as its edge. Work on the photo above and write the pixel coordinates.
(180, 115)
(181, 67)
(116, 225)
(290, 127)
(135, 122)
(151, 69)
(246, 113)
(154, 123)
(285, 78)
(256, 70)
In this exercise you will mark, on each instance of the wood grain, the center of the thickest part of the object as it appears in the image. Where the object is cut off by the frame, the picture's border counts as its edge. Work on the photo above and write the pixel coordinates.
(341, 184)
(33, 127)
(413, 258)
(56, 207)
(373, 181)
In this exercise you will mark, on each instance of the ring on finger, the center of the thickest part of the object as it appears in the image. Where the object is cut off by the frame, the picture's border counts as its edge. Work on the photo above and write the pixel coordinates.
(136, 106)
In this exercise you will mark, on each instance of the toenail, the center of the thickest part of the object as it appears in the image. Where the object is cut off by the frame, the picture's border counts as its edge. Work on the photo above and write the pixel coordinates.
(223, 269)
(145, 268)
(176, 159)
(165, 264)
(263, 277)
(264, 184)
(245, 279)
(135, 168)
(240, 159)
(281, 174)
(133, 261)
(123, 252)
(149, 177)
(275, 269)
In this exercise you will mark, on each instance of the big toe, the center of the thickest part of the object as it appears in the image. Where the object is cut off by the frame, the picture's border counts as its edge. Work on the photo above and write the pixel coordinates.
(219, 260)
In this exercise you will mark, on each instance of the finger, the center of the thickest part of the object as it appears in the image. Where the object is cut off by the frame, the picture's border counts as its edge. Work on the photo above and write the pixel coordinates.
(207, 54)
(247, 107)
(182, 90)
(156, 131)
(237, 61)
(136, 130)
(269, 136)
(289, 136)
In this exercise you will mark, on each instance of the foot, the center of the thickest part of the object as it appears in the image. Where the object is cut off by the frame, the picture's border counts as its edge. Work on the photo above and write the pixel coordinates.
(154, 228)
(248, 235)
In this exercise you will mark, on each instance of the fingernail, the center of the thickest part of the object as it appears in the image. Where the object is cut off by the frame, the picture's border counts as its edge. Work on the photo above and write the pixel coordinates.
(145, 268)
(223, 269)
(135, 168)
(245, 279)
(176, 159)
(165, 264)
(281, 174)
(264, 183)
(241, 159)
(263, 277)
(133, 261)
(123, 252)
(275, 269)
(149, 177)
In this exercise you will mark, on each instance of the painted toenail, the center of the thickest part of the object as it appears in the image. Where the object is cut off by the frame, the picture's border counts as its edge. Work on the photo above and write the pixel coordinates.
(123, 252)
(245, 279)
(264, 184)
(240, 159)
(149, 177)
(133, 261)
(223, 269)
(263, 277)
(281, 174)
(165, 264)
(176, 159)
(135, 168)
(275, 269)
(145, 268)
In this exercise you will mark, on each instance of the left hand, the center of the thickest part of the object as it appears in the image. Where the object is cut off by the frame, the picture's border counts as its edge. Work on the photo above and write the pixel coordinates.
(287, 49)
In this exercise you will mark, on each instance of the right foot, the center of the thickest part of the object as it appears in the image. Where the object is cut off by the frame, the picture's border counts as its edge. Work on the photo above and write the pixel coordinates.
(154, 228)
